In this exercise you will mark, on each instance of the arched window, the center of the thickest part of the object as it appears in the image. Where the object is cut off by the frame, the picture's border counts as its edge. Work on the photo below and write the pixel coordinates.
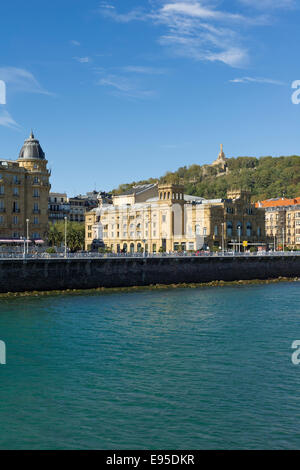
(249, 229)
(131, 247)
(229, 229)
(125, 247)
(139, 247)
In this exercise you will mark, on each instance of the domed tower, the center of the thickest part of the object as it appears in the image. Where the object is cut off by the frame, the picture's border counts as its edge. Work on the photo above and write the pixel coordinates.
(37, 187)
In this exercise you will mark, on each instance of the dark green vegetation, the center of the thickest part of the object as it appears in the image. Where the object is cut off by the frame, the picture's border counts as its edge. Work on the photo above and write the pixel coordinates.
(265, 177)
(75, 235)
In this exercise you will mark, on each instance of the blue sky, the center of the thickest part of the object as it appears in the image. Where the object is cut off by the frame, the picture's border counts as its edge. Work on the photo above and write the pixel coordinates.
(120, 90)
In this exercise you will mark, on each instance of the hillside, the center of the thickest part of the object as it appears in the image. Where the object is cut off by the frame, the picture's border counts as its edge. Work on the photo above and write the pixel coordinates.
(265, 177)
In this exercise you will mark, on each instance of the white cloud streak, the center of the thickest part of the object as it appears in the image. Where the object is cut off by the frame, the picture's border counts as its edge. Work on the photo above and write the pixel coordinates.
(268, 81)
(124, 86)
(199, 29)
(22, 80)
(6, 120)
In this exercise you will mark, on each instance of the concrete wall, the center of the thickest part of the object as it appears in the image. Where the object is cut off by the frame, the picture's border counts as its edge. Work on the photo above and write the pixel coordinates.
(53, 274)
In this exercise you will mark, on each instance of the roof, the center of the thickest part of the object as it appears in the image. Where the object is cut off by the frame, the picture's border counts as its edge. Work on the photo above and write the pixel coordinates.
(278, 202)
(138, 189)
(32, 149)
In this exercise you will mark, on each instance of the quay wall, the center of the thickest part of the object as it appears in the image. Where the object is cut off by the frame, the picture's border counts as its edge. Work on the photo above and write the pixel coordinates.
(18, 275)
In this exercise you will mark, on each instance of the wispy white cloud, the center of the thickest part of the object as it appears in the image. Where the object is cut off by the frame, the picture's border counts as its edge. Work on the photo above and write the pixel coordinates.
(269, 81)
(6, 120)
(21, 80)
(75, 43)
(140, 69)
(124, 86)
(203, 30)
(83, 60)
(269, 4)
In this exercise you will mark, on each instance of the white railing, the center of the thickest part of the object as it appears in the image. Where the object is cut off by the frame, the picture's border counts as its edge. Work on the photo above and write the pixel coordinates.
(87, 255)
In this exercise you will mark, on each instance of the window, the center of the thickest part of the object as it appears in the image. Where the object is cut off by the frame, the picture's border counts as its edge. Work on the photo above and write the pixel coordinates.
(36, 180)
(229, 229)
(1, 219)
(16, 235)
(89, 234)
(164, 218)
(35, 220)
(204, 231)
(36, 207)
(15, 220)
(16, 207)
(249, 229)
(1, 189)
(36, 193)
(16, 191)
(216, 230)
(16, 180)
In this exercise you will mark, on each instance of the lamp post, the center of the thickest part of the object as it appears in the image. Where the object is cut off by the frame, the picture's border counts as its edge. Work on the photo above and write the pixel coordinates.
(223, 229)
(66, 220)
(27, 234)
(144, 241)
(24, 250)
(239, 234)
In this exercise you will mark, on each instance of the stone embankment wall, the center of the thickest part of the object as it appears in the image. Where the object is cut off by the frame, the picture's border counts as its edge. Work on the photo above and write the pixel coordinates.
(60, 274)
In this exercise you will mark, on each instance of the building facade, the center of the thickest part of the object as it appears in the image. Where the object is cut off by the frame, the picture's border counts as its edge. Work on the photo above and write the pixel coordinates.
(282, 220)
(162, 218)
(58, 207)
(24, 191)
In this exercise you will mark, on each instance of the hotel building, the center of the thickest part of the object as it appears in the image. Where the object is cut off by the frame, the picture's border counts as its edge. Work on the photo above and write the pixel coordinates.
(24, 190)
(162, 218)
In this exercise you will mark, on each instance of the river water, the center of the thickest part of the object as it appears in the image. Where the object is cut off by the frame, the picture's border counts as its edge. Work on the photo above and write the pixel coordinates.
(202, 368)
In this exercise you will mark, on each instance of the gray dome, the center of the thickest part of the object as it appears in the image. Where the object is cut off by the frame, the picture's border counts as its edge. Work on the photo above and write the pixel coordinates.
(32, 149)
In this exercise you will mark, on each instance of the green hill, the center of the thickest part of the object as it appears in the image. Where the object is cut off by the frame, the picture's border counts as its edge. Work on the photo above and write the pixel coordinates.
(265, 177)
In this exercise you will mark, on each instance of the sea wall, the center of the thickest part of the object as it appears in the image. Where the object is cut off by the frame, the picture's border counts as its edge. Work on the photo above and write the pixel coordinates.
(59, 274)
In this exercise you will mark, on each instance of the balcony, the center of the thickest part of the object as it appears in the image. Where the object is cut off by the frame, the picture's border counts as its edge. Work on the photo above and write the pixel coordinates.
(16, 210)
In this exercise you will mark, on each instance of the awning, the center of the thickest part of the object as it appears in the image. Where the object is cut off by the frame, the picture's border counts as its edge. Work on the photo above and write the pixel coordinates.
(12, 240)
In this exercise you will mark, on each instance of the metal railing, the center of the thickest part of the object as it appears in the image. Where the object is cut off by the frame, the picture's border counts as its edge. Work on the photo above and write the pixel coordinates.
(88, 255)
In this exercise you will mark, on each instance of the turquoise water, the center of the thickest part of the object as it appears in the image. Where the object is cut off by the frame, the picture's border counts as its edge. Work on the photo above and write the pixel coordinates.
(175, 369)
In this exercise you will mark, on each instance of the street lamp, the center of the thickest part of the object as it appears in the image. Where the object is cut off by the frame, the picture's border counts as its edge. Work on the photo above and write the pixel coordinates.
(24, 250)
(223, 247)
(66, 220)
(144, 241)
(239, 234)
(27, 234)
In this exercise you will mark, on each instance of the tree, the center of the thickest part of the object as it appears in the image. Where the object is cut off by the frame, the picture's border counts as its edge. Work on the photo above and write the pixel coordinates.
(55, 236)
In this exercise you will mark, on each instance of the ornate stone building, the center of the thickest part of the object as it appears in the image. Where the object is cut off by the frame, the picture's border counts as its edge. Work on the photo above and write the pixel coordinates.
(162, 218)
(282, 219)
(24, 191)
